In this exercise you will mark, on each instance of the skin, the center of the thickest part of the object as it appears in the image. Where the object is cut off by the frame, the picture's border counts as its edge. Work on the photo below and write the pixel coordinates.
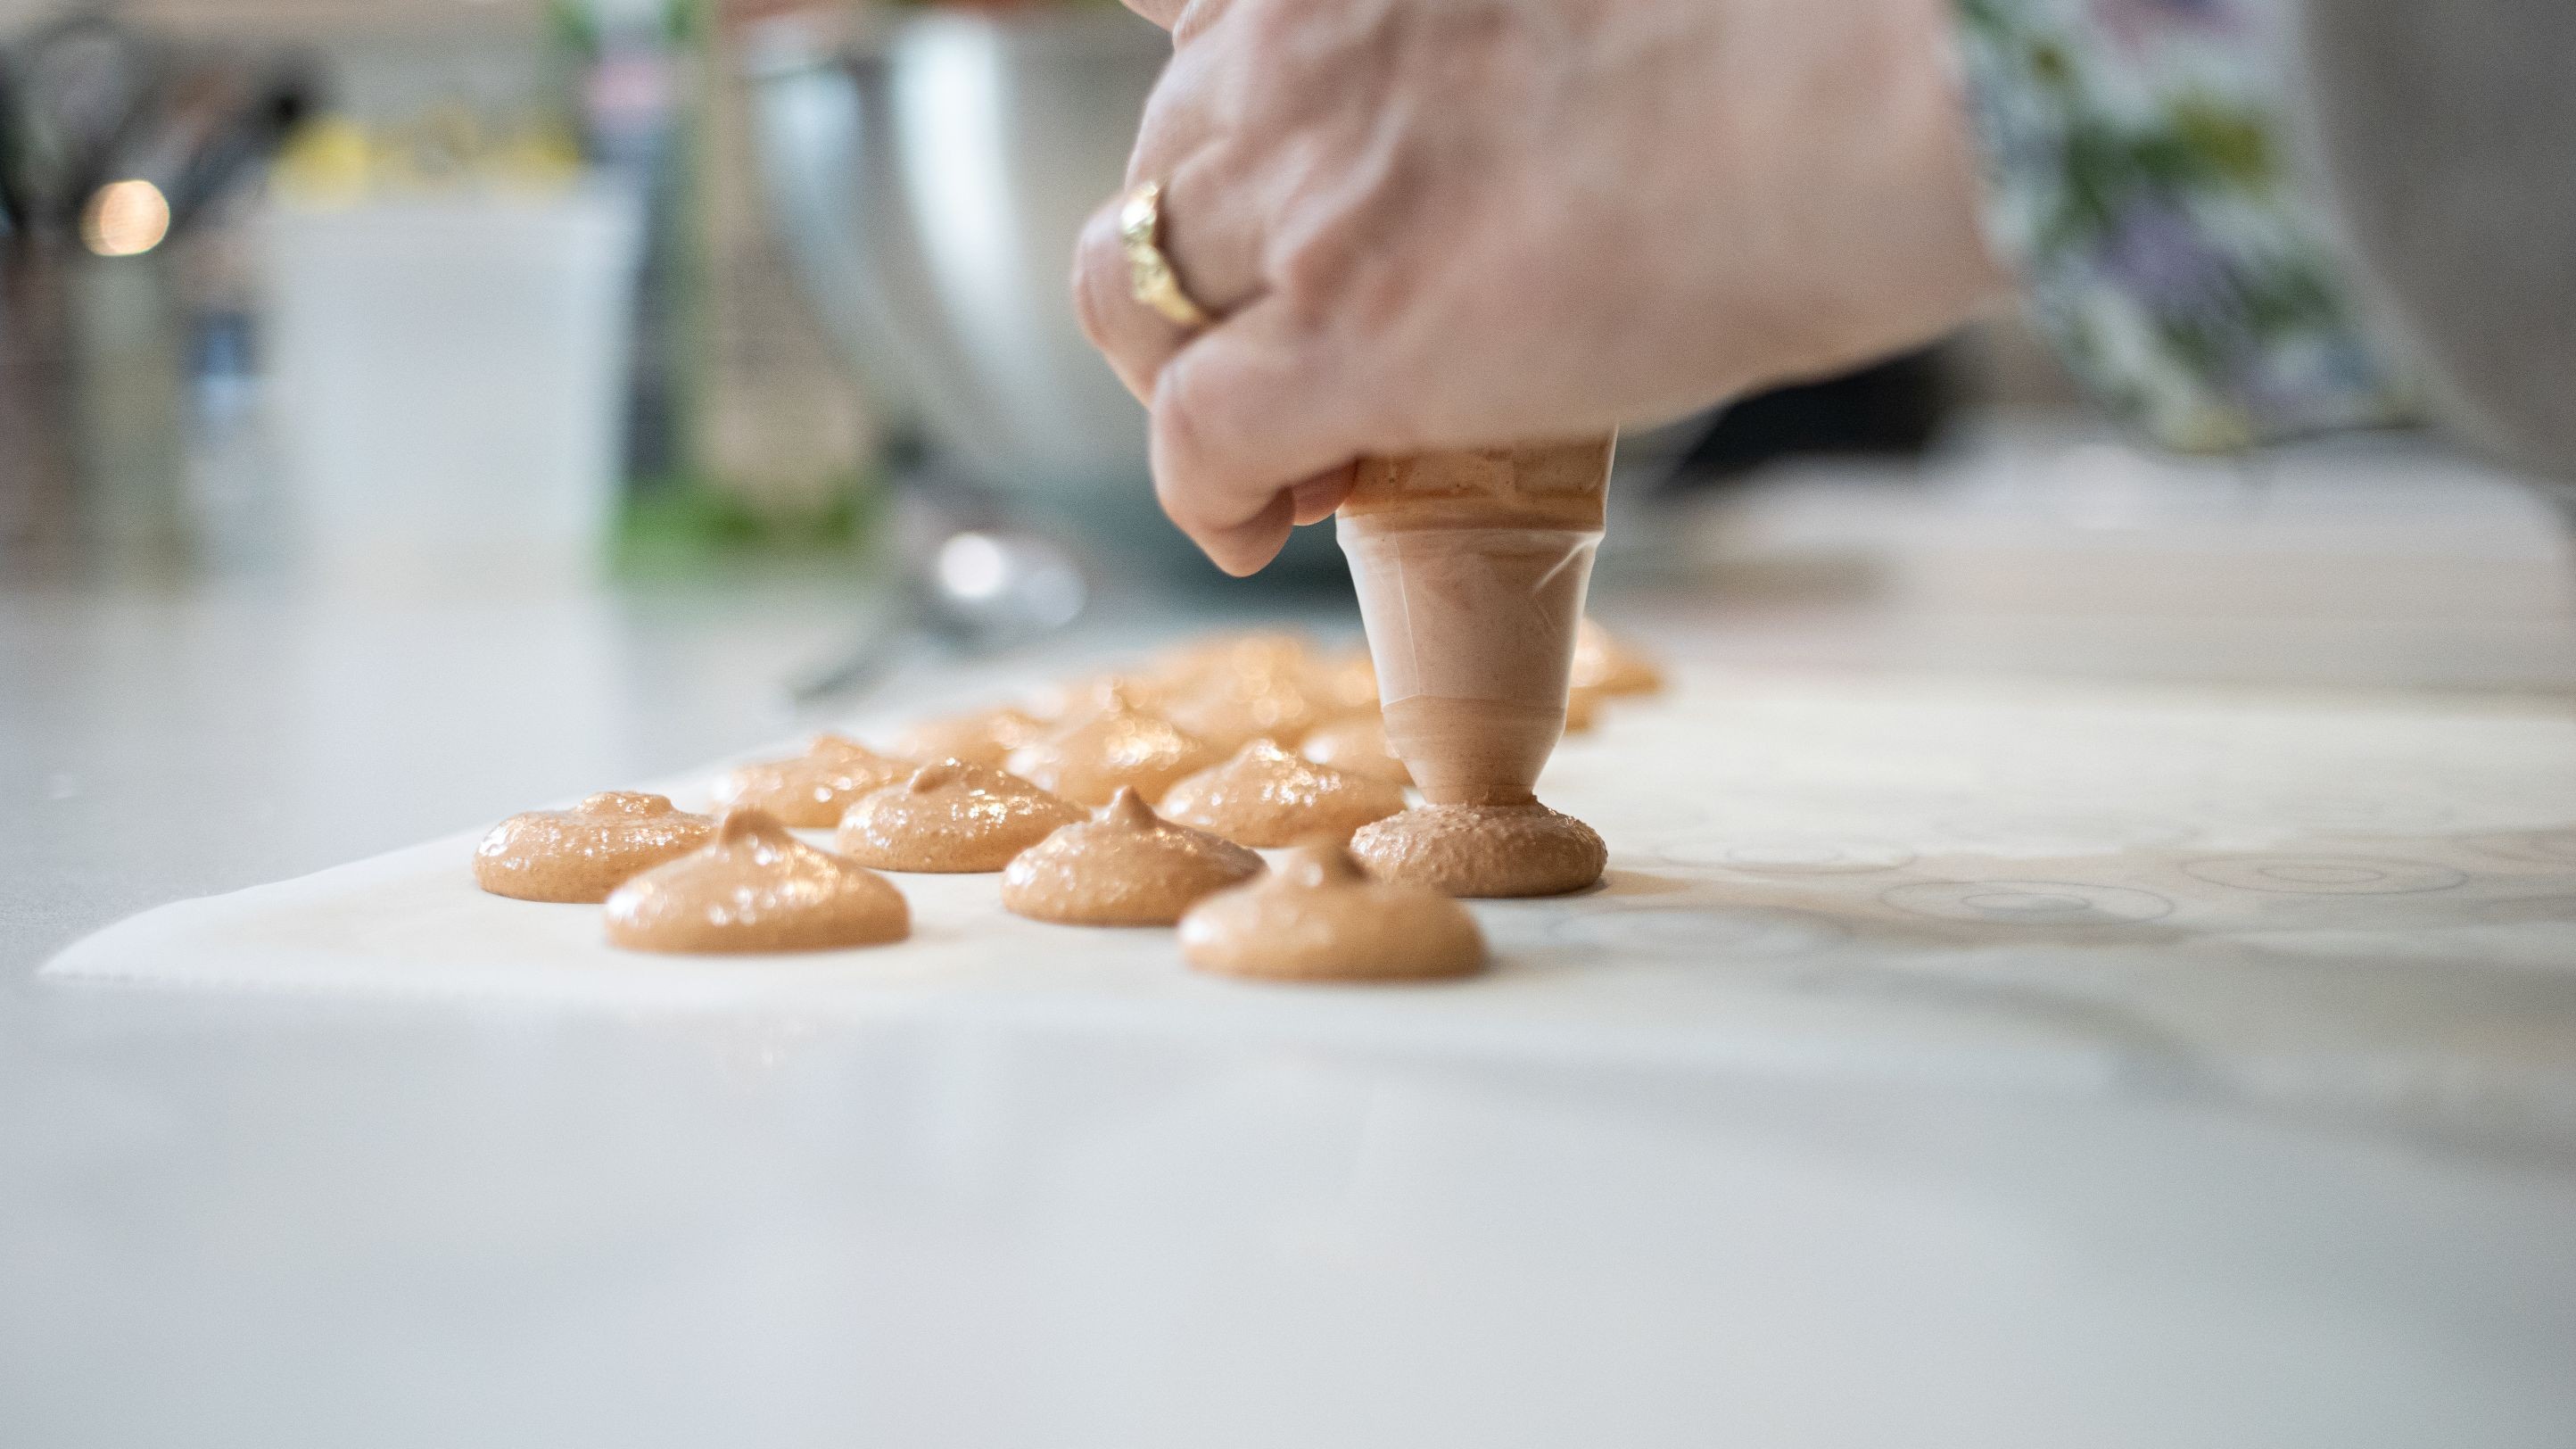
(1458, 223)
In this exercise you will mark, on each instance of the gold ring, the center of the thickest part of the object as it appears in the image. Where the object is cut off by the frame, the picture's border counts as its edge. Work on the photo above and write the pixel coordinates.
(1149, 273)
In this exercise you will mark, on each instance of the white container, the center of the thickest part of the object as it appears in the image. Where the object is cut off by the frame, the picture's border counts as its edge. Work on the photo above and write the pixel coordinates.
(449, 371)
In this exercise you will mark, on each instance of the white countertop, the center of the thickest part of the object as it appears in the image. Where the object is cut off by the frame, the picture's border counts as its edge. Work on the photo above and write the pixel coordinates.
(278, 1221)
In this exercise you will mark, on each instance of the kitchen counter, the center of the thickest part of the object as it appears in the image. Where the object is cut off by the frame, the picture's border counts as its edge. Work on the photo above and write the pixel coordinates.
(230, 1219)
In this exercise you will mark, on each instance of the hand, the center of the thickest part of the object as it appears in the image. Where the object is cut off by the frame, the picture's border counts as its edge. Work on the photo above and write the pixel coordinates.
(1454, 223)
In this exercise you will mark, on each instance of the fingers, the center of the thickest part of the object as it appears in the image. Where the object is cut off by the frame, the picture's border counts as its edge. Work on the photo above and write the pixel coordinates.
(1246, 443)
(1212, 246)
(1181, 17)
(1251, 437)
(1164, 13)
(1317, 497)
(1244, 549)
(1207, 229)
(1135, 338)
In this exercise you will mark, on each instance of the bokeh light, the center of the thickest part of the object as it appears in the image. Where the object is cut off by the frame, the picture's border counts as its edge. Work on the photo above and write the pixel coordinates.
(125, 219)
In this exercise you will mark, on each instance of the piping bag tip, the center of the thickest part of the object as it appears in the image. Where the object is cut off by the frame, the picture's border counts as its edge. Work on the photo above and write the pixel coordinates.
(1471, 569)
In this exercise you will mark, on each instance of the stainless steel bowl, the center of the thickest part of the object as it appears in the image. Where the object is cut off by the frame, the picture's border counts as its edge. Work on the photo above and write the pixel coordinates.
(929, 171)
(929, 174)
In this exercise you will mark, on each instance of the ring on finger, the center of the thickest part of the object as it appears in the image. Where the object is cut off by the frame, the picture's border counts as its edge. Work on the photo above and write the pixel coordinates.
(1150, 278)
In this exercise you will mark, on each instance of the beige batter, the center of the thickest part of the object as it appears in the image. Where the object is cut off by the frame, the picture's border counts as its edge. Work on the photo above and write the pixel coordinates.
(1318, 917)
(949, 818)
(812, 789)
(1074, 700)
(1473, 751)
(1261, 654)
(1582, 709)
(1265, 796)
(1484, 850)
(580, 855)
(1239, 688)
(986, 738)
(1117, 744)
(1356, 743)
(1471, 569)
(1125, 866)
(1230, 710)
(756, 887)
(1349, 685)
(1605, 664)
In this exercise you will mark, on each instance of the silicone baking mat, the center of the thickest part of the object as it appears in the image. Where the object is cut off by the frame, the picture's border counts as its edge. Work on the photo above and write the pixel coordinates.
(1883, 876)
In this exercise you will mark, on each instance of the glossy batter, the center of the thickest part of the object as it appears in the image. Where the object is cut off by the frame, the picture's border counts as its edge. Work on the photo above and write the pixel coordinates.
(1230, 710)
(579, 855)
(1349, 685)
(951, 818)
(1239, 688)
(1357, 744)
(1484, 850)
(1125, 866)
(1117, 744)
(984, 738)
(1319, 917)
(1265, 796)
(756, 887)
(812, 789)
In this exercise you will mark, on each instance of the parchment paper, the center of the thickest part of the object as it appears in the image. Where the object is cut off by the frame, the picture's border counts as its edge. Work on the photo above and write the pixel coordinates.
(2328, 898)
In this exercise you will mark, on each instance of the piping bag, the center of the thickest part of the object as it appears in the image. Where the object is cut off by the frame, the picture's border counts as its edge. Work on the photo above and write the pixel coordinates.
(1471, 568)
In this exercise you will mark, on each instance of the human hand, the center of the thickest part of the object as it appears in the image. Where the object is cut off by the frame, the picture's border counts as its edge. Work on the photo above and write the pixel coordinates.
(1457, 223)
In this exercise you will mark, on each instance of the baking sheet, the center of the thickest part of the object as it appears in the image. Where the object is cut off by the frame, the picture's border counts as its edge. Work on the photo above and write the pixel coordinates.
(2076, 885)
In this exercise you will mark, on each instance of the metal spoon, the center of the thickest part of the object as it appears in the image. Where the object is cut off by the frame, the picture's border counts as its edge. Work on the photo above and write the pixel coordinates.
(974, 584)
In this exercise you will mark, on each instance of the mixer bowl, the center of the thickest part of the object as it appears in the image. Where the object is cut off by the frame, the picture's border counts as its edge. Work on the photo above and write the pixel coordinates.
(929, 174)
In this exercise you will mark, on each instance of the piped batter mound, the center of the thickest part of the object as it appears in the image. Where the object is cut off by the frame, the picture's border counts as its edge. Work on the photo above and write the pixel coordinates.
(1484, 850)
(1265, 796)
(1125, 866)
(1277, 654)
(1319, 917)
(1230, 710)
(1118, 744)
(1071, 701)
(986, 738)
(1239, 688)
(578, 856)
(1349, 684)
(812, 789)
(1356, 744)
(951, 818)
(756, 887)
(1582, 709)
(1605, 664)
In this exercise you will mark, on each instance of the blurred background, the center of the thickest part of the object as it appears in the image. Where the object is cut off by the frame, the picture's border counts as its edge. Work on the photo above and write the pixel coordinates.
(374, 297)
(378, 296)
(703, 365)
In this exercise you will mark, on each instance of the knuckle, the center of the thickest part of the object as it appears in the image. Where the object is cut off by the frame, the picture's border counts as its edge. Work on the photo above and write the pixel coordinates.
(1312, 269)
(1193, 21)
(1358, 251)
(1180, 428)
